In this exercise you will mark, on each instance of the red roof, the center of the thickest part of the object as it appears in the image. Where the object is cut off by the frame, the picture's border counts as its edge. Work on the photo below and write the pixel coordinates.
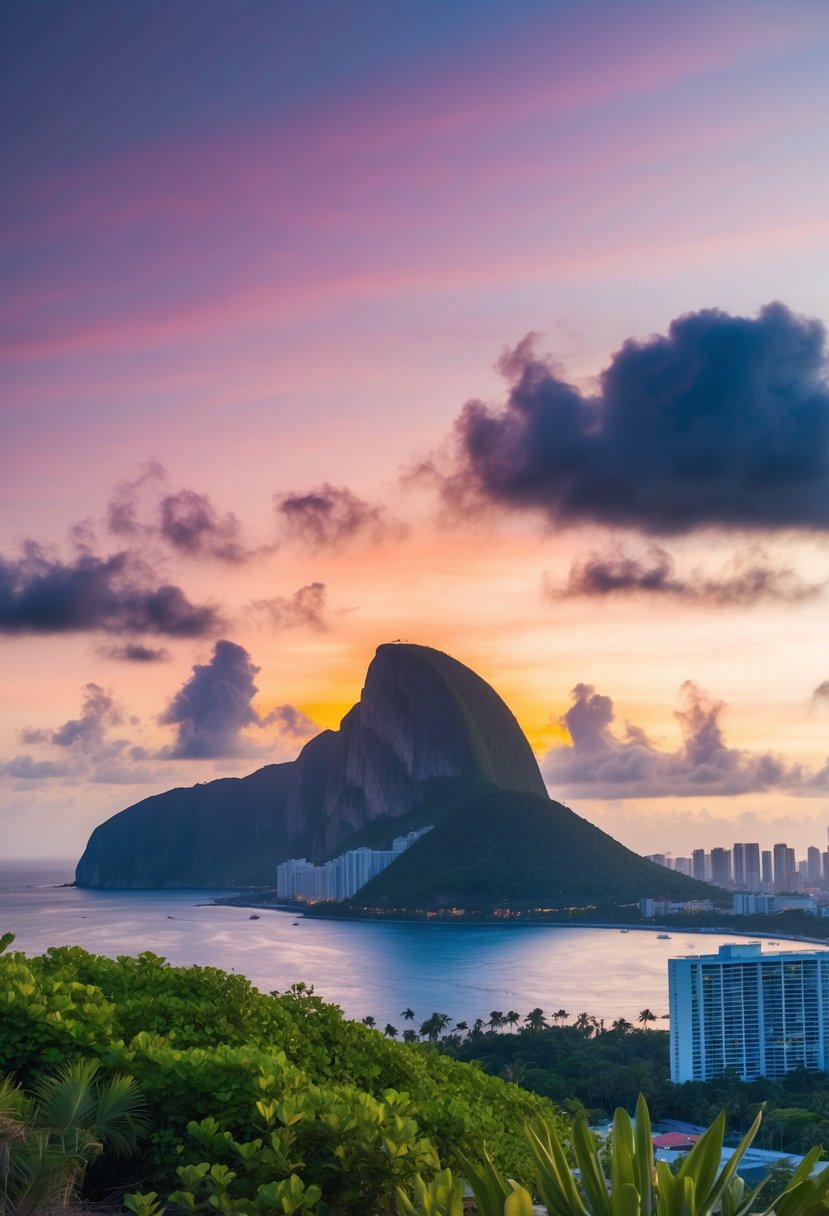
(674, 1140)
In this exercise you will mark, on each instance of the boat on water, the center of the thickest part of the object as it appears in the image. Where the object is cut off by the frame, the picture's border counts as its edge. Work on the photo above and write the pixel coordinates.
(663, 937)
(253, 916)
(624, 930)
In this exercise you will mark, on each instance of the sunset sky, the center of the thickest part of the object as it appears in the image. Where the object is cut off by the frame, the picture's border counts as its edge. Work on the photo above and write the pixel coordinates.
(492, 327)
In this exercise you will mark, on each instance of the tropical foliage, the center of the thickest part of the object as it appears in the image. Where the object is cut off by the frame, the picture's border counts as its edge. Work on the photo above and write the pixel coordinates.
(50, 1137)
(625, 1182)
(255, 1100)
(255, 1104)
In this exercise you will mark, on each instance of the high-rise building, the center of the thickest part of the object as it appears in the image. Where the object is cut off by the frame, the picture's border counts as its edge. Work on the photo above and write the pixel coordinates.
(766, 872)
(738, 857)
(780, 854)
(825, 860)
(721, 867)
(698, 862)
(683, 865)
(752, 866)
(761, 1015)
(342, 876)
(813, 867)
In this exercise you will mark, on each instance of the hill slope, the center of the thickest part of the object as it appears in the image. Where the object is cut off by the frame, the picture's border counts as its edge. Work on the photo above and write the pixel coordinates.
(495, 846)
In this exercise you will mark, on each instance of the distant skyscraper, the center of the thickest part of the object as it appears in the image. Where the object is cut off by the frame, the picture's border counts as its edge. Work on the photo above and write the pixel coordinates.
(721, 867)
(813, 868)
(825, 859)
(766, 868)
(698, 862)
(738, 856)
(780, 854)
(759, 1014)
(752, 866)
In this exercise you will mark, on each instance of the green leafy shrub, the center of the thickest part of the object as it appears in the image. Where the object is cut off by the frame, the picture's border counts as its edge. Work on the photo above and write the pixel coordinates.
(261, 1087)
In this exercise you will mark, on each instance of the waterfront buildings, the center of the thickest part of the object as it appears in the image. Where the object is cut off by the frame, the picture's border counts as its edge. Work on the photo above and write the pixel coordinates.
(767, 905)
(758, 1014)
(650, 908)
(341, 877)
(744, 867)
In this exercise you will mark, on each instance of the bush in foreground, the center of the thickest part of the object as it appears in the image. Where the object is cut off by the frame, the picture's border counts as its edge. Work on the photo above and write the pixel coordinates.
(245, 1090)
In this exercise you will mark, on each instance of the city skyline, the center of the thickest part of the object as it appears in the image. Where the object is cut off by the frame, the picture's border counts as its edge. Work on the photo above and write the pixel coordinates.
(747, 866)
(502, 333)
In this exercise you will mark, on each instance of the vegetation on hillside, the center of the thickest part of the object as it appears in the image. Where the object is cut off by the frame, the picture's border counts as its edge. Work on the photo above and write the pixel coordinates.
(496, 846)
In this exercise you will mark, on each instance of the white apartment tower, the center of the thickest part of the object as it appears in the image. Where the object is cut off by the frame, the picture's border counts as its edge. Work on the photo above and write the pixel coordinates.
(759, 1014)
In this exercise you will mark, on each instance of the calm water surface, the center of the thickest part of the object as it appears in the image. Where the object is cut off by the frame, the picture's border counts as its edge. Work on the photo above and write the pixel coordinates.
(366, 968)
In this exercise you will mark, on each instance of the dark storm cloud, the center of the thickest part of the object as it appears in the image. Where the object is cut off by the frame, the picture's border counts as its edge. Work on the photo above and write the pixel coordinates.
(26, 768)
(213, 707)
(749, 578)
(135, 652)
(186, 521)
(190, 524)
(330, 516)
(723, 422)
(601, 764)
(291, 722)
(306, 607)
(87, 733)
(40, 593)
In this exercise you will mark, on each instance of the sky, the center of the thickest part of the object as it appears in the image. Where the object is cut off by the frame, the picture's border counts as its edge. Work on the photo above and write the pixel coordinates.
(495, 328)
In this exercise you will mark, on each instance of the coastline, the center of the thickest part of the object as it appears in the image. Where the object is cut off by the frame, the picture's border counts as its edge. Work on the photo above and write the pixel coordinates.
(502, 922)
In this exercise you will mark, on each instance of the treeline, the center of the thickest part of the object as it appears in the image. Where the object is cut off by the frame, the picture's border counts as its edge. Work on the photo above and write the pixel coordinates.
(587, 1065)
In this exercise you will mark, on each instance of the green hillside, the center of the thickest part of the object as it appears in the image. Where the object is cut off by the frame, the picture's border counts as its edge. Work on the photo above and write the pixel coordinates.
(498, 846)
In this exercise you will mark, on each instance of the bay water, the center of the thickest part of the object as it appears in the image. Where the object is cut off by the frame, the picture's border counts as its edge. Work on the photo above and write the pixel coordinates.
(377, 968)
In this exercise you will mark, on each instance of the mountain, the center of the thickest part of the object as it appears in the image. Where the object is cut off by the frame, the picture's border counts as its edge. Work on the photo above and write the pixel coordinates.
(423, 720)
(492, 846)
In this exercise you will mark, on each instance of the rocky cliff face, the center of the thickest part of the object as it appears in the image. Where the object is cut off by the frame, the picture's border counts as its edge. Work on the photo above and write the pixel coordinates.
(422, 715)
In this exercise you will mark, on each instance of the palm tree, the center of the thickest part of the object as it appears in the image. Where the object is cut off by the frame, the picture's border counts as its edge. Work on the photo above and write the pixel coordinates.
(408, 1015)
(477, 1027)
(647, 1015)
(369, 1021)
(49, 1139)
(496, 1019)
(432, 1027)
(512, 1018)
(390, 1031)
(560, 1015)
(410, 1036)
(535, 1019)
(584, 1023)
(622, 1026)
(461, 1026)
